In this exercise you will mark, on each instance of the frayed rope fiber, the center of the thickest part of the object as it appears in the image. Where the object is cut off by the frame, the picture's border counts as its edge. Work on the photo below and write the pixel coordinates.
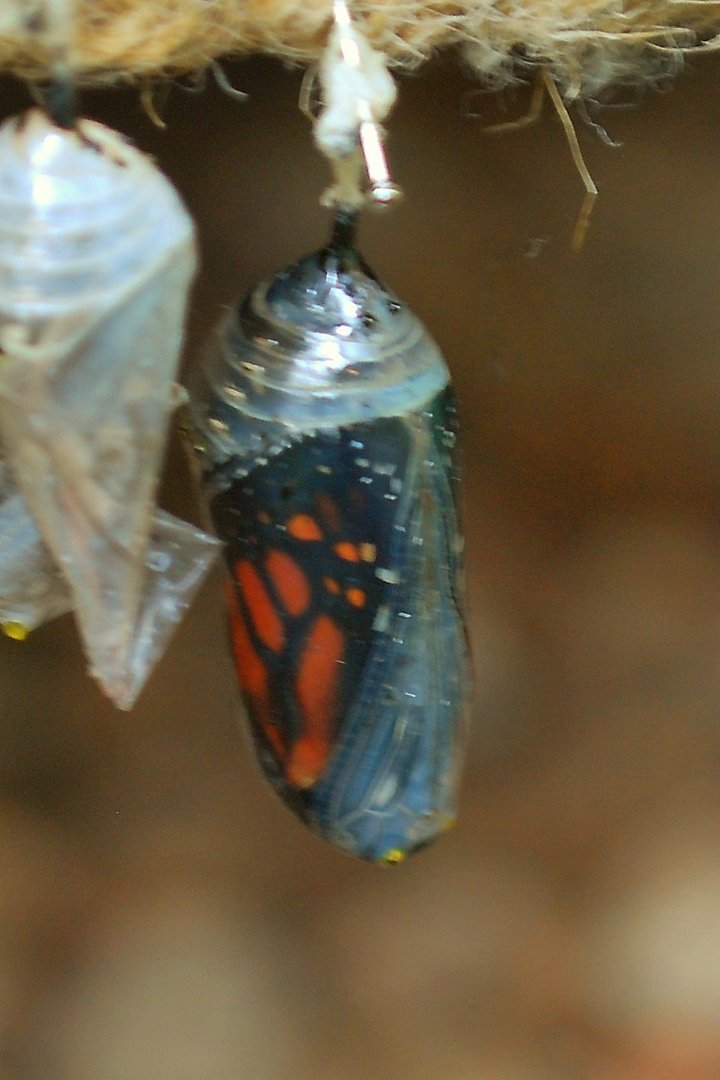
(585, 43)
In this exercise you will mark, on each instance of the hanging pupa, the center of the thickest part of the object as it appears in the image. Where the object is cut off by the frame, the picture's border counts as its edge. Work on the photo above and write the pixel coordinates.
(326, 429)
(96, 257)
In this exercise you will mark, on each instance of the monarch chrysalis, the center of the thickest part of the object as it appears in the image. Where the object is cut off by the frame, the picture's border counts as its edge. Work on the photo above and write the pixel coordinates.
(326, 432)
(96, 256)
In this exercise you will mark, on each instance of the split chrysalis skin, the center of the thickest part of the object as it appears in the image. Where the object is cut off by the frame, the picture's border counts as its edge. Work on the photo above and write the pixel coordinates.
(97, 254)
(326, 431)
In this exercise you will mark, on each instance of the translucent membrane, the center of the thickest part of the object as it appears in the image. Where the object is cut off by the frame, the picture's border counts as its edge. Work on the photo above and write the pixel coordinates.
(96, 256)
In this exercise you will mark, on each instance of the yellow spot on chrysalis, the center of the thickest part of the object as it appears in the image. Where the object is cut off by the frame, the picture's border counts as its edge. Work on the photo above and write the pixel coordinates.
(15, 630)
(393, 856)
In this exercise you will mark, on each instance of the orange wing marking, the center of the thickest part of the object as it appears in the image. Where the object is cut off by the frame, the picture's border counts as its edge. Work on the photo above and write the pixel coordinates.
(331, 585)
(356, 597)
(347, 551)
(316, 689)
(252, 673)
(265, 618)
(304, 527)
(289, 580)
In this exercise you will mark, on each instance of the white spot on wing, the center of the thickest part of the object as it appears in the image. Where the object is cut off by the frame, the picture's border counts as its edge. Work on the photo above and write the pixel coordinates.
(382, 619)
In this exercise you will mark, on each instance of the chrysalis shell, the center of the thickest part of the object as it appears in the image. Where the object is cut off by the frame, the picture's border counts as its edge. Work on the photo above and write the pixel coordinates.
(33, 590)
(325, 429)
(96, 256)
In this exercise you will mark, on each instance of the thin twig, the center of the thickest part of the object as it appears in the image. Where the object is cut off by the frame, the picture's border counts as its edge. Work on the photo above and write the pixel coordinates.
(530, 117)
(583, 221)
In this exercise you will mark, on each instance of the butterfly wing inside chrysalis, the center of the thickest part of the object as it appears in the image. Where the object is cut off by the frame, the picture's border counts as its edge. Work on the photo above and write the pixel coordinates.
(391, 785)
(347, 630)
(343, 547)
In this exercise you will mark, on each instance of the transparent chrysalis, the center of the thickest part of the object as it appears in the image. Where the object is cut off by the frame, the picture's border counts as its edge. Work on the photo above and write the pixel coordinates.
(96, 256)
(325, 429)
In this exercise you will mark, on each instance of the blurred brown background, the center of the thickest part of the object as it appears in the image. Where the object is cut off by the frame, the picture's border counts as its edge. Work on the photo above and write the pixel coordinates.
(162, 916)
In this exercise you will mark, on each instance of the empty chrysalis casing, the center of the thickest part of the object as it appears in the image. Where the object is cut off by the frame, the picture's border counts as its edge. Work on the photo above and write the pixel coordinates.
(96, 256)
(326, 431)
(33, 590)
